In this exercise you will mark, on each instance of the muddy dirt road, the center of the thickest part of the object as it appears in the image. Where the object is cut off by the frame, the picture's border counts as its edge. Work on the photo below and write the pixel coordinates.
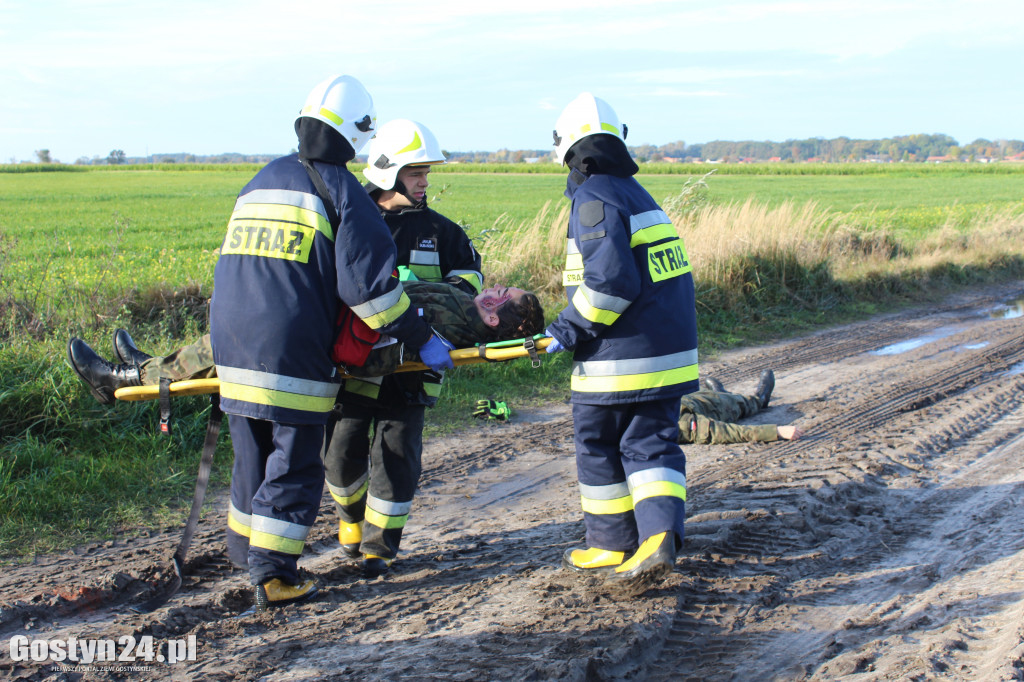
(887, 544)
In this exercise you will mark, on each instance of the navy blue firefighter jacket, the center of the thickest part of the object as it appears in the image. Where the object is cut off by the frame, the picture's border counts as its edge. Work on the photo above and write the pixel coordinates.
(279, 284)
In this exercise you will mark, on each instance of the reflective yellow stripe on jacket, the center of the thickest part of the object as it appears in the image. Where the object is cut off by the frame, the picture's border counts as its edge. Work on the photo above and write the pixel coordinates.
(426, 265)
(598, 307)
(605, 376)
(384, 309)
(264, 388)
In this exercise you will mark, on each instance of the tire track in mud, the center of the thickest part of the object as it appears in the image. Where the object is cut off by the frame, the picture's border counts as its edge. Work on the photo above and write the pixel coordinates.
(794, 508)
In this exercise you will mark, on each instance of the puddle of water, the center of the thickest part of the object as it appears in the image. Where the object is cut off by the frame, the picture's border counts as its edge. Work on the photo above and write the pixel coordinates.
(1016, 369)
(974, 346)
(1009, 311)
(911, 344)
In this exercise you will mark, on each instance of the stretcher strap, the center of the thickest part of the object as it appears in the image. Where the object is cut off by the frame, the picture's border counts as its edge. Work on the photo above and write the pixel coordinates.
(165, 406)
(531, 348)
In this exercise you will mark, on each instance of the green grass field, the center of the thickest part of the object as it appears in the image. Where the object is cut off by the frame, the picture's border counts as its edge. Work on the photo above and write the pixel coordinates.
(85, 251)
(102, 229)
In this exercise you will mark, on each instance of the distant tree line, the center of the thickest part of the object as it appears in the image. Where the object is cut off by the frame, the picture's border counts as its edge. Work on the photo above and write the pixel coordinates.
(910, 148)
(841, 149)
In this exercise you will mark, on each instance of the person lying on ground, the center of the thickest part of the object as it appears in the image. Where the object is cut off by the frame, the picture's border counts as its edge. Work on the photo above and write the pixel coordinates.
(707, 416)
(495, 314)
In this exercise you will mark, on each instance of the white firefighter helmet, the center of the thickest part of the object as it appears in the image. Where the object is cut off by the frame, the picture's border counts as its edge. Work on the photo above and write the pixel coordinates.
(585, 115)
(344, 104)
(400, 143)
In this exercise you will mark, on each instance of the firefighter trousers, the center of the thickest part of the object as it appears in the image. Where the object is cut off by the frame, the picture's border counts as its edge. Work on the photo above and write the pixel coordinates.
(372, 459)
(632, 472)
(277, 483)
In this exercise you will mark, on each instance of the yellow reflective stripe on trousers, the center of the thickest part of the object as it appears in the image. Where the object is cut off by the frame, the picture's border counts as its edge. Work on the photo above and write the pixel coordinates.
(276, 390)
(350, 494)
(614, 498)
(277, 535)
(384, 309)
(238, 521)
(385, 514)
(605, 376)
(657, 482)
(598, 307)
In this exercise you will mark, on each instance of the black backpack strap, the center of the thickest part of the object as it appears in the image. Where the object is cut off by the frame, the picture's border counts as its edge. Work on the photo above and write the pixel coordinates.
(322, 191)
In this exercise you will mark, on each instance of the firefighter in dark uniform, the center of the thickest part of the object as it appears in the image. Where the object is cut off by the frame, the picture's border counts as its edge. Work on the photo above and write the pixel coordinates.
(304, 244)
(631, 322)
(375, 433)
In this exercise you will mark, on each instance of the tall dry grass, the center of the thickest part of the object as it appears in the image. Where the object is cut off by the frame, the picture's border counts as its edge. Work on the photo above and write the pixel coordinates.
(752, 261)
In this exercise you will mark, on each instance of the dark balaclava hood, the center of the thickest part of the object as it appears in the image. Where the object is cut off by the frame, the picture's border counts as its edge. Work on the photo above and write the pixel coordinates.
(601, 154)
(320, 142)
(374, 191)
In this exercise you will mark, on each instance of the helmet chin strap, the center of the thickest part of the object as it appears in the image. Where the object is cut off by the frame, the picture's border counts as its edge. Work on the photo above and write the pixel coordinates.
(400, 188)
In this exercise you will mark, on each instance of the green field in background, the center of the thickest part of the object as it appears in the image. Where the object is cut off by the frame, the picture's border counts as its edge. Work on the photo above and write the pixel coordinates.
(67, 224)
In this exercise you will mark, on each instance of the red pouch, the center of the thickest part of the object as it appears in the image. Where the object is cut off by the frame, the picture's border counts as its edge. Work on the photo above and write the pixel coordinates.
(354, 341)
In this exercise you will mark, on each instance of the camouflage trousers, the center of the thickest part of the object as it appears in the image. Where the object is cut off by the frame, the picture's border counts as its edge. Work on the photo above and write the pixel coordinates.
(194, 361)
(724, 407)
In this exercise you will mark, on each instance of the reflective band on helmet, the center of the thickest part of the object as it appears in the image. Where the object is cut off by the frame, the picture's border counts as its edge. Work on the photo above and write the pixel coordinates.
(331, 116)
(412, 146)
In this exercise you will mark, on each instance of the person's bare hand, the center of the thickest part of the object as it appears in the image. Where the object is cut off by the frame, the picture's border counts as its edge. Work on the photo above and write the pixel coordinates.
(789, 432)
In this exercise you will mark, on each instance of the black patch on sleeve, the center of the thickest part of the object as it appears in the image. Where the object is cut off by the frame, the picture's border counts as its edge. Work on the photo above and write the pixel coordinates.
(592, 235)
(591, 213)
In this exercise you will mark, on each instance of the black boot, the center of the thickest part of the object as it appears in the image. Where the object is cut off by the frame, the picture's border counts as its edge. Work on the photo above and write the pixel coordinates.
(713, 385)
(101, 377)
(125, 350)
(763, 392)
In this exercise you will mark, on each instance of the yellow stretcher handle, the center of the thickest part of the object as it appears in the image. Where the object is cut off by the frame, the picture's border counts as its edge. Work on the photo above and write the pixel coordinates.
(460, 356)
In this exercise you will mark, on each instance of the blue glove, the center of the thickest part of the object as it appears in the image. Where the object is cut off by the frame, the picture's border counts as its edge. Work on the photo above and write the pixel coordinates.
(555, 344)
(434, 353)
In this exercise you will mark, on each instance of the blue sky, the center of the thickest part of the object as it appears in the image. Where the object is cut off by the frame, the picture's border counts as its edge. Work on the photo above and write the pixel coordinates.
(83, 77)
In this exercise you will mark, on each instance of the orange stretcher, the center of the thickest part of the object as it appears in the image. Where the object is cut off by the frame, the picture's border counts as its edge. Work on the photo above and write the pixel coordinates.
(494, 352)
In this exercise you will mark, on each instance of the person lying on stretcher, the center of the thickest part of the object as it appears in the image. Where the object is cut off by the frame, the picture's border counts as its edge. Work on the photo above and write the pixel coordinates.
(495, 314)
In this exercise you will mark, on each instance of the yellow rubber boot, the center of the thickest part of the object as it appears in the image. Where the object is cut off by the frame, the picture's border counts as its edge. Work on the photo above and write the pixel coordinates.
(276, 592)
(652, 562)
(350, 535)
(591, 560)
